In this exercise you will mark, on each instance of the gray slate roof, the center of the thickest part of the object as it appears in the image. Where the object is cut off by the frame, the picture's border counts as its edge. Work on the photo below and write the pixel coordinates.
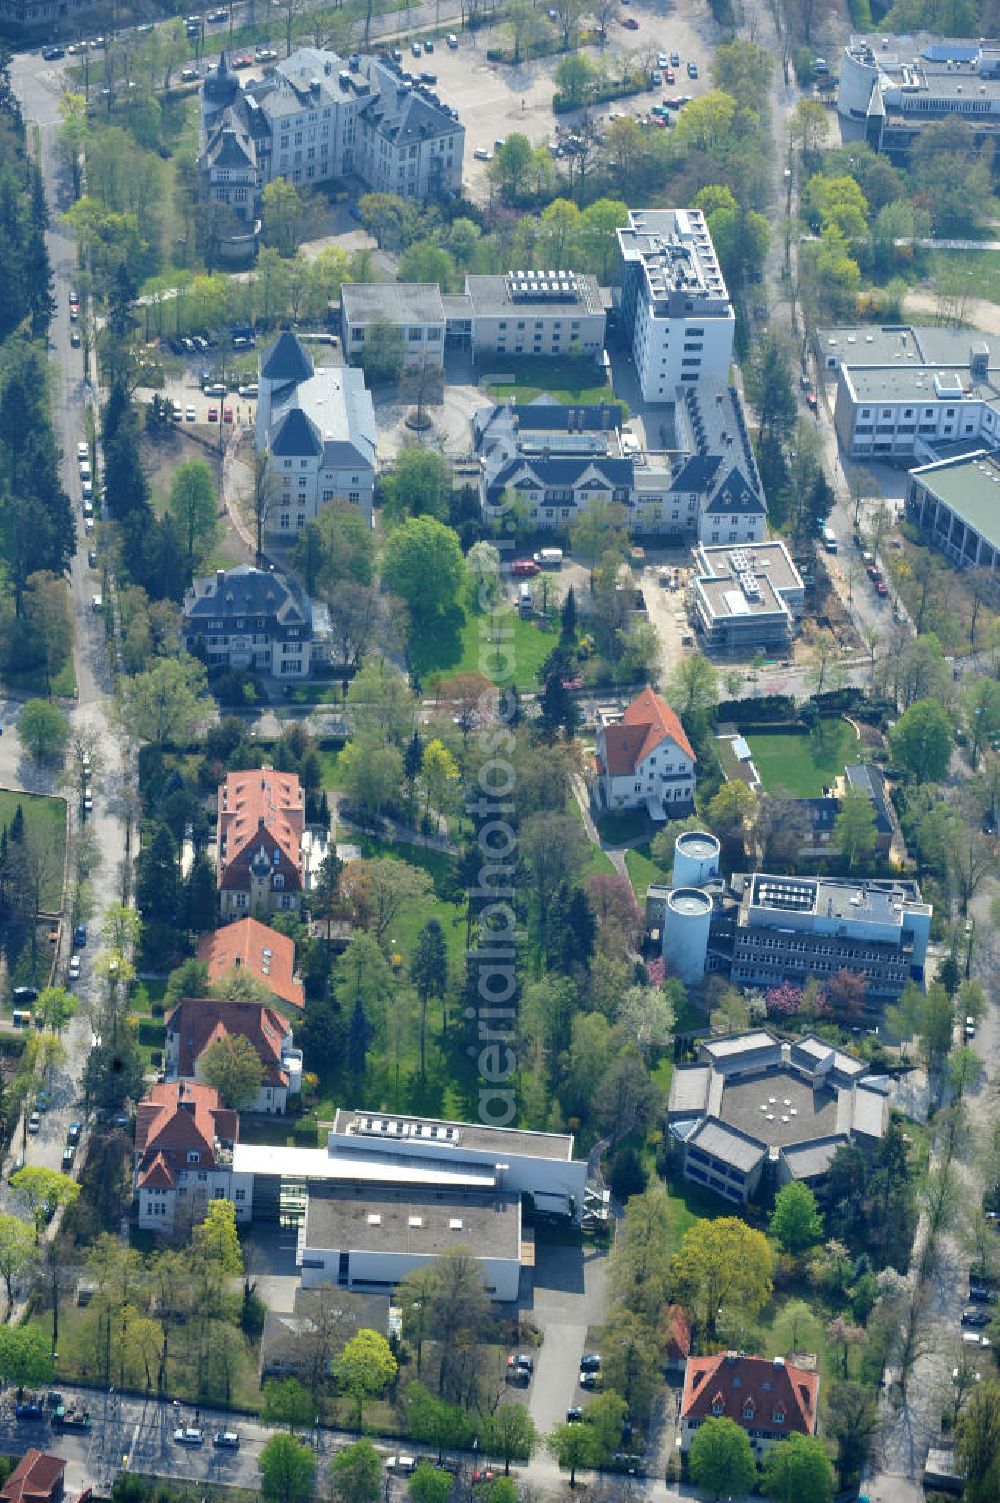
(286, 360)
(246, 591)
(295, 436)
(735, 494)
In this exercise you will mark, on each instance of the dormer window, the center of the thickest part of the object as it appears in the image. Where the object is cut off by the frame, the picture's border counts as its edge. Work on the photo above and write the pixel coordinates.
(779, 1416)
(194, 1157)
(717, 1407)
(748, 1410)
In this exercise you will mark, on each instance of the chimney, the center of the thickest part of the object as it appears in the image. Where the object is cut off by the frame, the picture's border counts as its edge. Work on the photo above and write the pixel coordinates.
(220, 577)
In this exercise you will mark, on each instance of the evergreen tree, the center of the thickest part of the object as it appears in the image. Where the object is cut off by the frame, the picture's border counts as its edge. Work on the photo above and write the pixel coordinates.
(572, 930)
(567, 618)
(201, 902)
(359, 1036)
(429, 974)
(558, 710)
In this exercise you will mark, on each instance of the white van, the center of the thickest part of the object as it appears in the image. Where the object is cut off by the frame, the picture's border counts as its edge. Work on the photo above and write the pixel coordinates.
(549, 558)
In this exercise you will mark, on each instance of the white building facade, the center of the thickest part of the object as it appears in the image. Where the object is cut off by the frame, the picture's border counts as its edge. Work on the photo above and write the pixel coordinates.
(675, 312)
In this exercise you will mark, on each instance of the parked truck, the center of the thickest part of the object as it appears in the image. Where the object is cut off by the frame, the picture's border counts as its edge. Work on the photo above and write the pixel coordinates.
(549, 558)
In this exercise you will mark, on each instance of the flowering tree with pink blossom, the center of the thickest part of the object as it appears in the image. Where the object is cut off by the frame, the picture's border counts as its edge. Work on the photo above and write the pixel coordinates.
(783, 1001)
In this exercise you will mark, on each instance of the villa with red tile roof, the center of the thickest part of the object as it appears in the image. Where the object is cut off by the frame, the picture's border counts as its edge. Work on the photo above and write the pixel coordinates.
(260, 828)
(196, 1023)
(37, 1478)
(643, 759)
(769, 1399)
(184, 1139)
(248, 945)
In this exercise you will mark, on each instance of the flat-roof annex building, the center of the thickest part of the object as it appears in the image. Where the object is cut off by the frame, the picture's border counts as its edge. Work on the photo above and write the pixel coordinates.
(746, 597)
(755, 1112)
(956, 505)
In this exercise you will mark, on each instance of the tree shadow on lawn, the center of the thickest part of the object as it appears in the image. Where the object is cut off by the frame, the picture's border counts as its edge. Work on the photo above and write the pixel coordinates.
(436, 641)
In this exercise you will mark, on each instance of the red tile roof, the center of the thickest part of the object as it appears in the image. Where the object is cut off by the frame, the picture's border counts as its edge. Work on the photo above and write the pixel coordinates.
(645, 725)
(202, 1021)
(37, 1476)
(254, 947)
(678, 1332)
(265, 803)
(729, 1384)
(178, 1118)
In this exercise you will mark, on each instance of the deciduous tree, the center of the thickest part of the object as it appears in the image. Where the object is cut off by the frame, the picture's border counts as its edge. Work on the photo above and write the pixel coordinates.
(721, 1458)
(287, 1470)
(233, 1066)
(725, 1266)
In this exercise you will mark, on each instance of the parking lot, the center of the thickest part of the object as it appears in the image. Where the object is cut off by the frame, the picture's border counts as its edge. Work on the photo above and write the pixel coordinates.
(494, 100)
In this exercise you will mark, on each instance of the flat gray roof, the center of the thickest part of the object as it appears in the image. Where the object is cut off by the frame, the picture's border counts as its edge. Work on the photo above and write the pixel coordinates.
(728, 1144)
(869, 1113)
(399, 302)
(490, 295)
(403, 1222)
(778, 1107)
(500, 1140)
(915, 383)
(741, 1043)
(904, 346)
(745, 579)
(809, 1160)
(689, 1089)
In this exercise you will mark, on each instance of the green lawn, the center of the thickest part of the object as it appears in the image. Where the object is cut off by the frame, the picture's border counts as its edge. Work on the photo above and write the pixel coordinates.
(689, 1204)
(627, 825)
(801, 766)
(567, 380)
(45, 817)
(461, 642)
(643, 870)
(330, 760)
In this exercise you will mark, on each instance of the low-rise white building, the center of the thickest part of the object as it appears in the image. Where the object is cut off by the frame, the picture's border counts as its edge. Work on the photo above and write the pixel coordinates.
(370, 1240)
(746, 598)
(534, 313)
(644, 760)
(318, 426)
(414, 308)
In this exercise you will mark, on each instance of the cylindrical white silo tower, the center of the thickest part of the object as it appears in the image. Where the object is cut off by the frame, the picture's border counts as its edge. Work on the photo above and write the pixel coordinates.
(696, 858)
(858, 72)
(686, 924)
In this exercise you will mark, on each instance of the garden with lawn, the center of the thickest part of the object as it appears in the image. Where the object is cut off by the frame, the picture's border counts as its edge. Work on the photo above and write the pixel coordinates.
(565, 380)
(801, 764)
(465, 640)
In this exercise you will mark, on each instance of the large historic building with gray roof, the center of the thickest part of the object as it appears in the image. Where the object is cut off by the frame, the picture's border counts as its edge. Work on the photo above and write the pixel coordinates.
(313, 117)
(755, 1113)
(318, 425)
(249, 618)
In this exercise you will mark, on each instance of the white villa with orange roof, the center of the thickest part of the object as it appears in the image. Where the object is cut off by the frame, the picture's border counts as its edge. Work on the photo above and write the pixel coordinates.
(643, 759)
(184, 1141)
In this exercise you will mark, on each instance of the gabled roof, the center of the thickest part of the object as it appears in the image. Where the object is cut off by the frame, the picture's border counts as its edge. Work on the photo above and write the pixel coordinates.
(286, 360)
(696, 474)
(246, 591)
(230, 148)
(296, 436)
(645, 725)
(261, 801)
(736, 494)
(257, 949)
(37, 1476)
(729, 1383)
(176, 1119)
(678, 1331)
(566, 473)
(200, 1022)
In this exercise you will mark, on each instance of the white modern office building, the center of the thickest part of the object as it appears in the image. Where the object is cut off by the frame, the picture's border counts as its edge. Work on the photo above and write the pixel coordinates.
(675, 313)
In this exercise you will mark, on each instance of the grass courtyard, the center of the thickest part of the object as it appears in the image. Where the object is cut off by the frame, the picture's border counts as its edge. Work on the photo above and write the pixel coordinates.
(461, 641)
(566, 380)
(801, 766)
(45, 818)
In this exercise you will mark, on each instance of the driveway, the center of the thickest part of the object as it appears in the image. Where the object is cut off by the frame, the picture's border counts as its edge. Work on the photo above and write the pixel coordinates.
(569, 1288)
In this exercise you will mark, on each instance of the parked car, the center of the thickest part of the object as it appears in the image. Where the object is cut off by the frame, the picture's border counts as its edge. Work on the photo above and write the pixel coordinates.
(226, 1440)
(452, 40)
(588, 1379)
(970, 1028)
(590, 1362)
(34, 1123)
(675, 60)
(662, 60)
(982, 1294)
(74, 1133)
(74, 338)
(68, 1155)
(692, 69)
(243, 60)
(190, 414)
(74, 967)
(976, 1315)
(416, 49)
(189, 75)
(266, 55)
(630, 23)
(669, 76)
(402, 1464)
(574, 1414)
(213, 414)
(52, 54)
(31, 1411)
(189, 1435)
(22, 995)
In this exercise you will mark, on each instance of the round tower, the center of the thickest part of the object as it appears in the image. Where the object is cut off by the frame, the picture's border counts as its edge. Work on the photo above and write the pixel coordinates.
(686, 922)
(858, 75)
(696, 858)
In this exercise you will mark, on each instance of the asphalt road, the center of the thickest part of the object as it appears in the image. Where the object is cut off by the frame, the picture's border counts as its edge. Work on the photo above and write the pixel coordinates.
(37, 89)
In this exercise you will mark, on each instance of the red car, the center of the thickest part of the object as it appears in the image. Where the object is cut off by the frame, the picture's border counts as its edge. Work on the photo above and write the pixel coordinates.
(525, 568)
(213, 414)
(227, 415)
(630, 23)
(242, 60)
(669, 75)
(811, 402)
(881, 588)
